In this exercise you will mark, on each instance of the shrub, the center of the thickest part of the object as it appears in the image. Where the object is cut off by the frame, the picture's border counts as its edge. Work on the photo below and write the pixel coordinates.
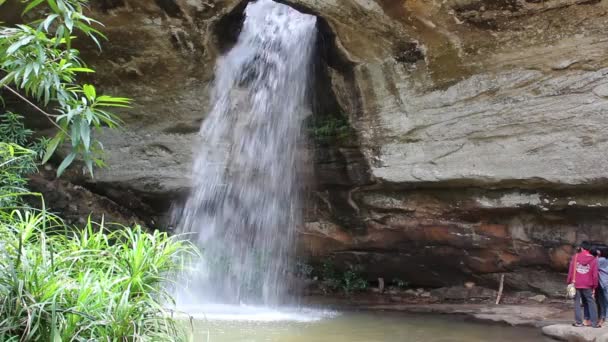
(348, 281)
(84, 285)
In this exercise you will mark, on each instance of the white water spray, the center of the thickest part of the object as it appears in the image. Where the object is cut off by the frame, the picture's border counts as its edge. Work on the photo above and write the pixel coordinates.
(243, 208)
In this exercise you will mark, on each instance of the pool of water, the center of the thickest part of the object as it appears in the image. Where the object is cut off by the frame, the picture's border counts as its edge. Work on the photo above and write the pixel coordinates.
(327, 326)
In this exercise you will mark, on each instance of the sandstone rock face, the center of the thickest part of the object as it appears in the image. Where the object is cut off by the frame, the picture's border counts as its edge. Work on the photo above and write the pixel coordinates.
(477, 129)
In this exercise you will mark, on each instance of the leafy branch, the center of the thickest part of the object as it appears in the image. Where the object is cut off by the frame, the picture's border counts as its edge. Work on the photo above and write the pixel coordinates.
(38, 61)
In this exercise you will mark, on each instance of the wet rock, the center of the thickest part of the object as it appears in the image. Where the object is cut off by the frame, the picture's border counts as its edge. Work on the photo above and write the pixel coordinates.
(538, 298)
(564, 332)
(411, 292)
(458, 293)
(76, 203)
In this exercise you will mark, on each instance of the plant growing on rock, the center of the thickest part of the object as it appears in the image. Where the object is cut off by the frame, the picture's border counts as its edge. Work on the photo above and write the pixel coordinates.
(400, 283)
(348, 281)
(326, 128)
(38, 62)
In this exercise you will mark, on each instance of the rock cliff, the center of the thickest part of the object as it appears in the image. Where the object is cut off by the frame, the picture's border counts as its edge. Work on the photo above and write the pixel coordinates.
(468, 137)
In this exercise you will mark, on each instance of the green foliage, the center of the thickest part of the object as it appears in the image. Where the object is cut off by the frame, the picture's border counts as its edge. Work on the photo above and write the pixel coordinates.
(15, 163)
(399, 283)
(328, 127)
(39, 147)
(303, 270)
(12, 129)
(58, 284)
(38, 59)
(348, 282)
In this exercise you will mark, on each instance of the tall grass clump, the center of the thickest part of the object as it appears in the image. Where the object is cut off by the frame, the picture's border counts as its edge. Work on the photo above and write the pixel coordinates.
(58, 284)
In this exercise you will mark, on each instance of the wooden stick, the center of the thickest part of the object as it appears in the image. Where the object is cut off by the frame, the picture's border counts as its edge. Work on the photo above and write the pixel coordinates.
(48, 115)
(500, 287)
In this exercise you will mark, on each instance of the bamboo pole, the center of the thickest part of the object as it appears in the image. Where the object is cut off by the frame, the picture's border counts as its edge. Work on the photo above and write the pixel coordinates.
(500, 288)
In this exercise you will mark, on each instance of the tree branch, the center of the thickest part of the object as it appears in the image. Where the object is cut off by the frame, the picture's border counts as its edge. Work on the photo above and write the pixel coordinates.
(48, 115)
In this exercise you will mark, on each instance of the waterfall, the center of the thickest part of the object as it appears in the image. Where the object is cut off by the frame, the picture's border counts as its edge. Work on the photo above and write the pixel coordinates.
(243, 208)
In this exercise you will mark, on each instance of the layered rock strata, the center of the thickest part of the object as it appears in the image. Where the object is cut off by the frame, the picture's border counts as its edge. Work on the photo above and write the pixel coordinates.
(471, 137)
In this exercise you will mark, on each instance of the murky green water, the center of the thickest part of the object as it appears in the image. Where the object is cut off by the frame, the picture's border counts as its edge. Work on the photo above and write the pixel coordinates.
(362, 327)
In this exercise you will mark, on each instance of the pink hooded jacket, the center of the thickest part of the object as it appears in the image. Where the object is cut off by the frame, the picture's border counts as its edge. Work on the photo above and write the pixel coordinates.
(586, 271)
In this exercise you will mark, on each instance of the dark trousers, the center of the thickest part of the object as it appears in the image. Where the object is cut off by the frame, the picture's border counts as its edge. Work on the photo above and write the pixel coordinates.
(585, 296)
(601, 303)
(604, 301)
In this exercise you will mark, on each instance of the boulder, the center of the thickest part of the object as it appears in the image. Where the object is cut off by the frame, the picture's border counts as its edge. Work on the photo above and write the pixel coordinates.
(565, 332)
(538, 298)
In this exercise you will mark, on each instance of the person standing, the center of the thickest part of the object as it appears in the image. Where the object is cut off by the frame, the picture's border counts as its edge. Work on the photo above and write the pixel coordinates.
(583, 273)
(603, 274)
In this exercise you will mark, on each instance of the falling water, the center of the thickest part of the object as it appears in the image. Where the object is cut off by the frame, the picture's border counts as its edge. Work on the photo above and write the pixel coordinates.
(243, 207)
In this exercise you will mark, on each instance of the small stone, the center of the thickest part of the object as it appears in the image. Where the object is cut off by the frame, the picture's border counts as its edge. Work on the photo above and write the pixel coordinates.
(425, 294)
(572, 203)
(538, 298)
(411, 292)
(469, 285)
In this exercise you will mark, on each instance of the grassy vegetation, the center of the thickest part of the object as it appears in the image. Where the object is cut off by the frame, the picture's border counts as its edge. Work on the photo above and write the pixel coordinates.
(59, 284)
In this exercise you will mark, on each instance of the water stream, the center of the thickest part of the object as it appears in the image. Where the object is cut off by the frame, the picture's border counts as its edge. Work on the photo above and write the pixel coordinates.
(244, 206)
(363, 327)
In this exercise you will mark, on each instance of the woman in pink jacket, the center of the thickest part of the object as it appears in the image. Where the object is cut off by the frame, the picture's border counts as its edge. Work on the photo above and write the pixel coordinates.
(584, 274)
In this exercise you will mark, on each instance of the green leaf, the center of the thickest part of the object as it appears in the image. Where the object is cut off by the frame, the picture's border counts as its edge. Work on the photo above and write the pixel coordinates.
(85, 134)
(53, 6)
(69, 23)
(75, 134)
(89, 163)
(89, 91)
(48, 21)
(52, 146)
(81, 69)
(107, 98)
(65, 163)
(31, 6)
(15, 46)
(2, 2)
